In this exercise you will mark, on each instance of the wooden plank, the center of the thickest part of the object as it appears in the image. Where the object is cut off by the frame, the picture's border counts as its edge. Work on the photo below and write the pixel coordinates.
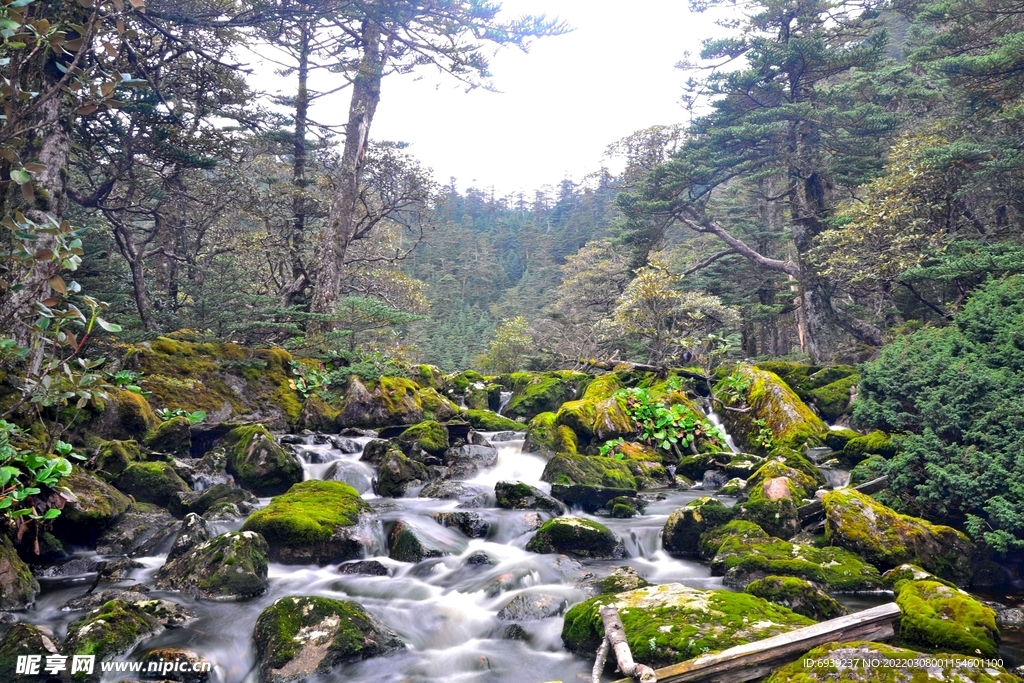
(754, 660)
(813, 511)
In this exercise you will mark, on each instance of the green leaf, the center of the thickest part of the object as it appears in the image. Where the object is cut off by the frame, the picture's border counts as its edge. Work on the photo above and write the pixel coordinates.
(109, 327)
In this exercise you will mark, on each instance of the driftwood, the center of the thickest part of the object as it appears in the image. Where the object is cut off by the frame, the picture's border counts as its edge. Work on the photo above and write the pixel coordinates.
(757, 659)
(615, 634)
(815, 512)
(602, 657)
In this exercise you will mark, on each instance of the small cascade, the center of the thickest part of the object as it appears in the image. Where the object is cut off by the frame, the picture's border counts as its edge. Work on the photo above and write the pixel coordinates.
(716, 421)
(506, 396)
(837, 478)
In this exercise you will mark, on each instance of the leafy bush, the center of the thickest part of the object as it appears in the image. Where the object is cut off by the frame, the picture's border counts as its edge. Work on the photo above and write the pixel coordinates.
(194, 417)
(669, 427)
(955, 396)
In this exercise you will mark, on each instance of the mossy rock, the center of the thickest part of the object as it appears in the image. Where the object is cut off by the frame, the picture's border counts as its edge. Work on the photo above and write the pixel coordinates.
(429, 435)
(576, 537)
(910, 572)
(827, 664)
(588, 481)
(111, 458)
(478, 395)
(315, 522)
(459, 382)
(535, 393)
(945, 619)
(428, 376)
(744, 556)
(487, 421)
(126, 416)
(792, 423)
(603, 386)
(301, 637)
(318, 415)
(833, 400)
(97, 506)
(798, 461)
(775, 492)
(541, 436)
(258, 462)
(397, 472)
(232, 566)
(407, 543)
(711, 540)
(18, 588)
(217, 496)
(151, 482)
(682, 532)
(622, 579)
(519, 496)
(671, 623)
(801, 596)
(732, 464)
(596, 421)
(887, 539)
(875, 443)
(173, 437)
(836, 439)
(115, 628)
(735, 487)
(23, 639)
(867, 470)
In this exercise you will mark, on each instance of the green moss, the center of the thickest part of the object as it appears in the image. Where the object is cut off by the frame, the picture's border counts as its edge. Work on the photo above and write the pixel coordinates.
(799, 595)
(113, 629)
(535, 393)
(461, 381)
(97, 505)
(742, 553)
(308, 513)
(602, 387)
(173, 436)
(488, 421)
(833, 400)
(348, 632)
(229, 566)
(671, 623)
(428, 376)
(398, 395)
(828, 664)
(261, 465)
(319, 415)
(836, 439)
(576, 537)
(875, 443)
(945, 619)
(151, 482)
(113, 457)
(887, 539)
(19, 587)
(682, 532)
(429, 435)
(872, 468)
(135, 418)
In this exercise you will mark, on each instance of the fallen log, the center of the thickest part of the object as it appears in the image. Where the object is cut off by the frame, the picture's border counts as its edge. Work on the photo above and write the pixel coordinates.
(757, 659)
(615, 634)
(815, 512)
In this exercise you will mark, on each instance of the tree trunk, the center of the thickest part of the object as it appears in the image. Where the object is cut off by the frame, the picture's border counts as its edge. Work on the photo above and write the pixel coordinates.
(342, 219)
(299, 157)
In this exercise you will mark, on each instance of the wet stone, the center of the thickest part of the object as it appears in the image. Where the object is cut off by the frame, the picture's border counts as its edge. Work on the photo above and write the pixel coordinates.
(194, 530)
(139, 532)
(135, 593)
(479, 558)
(505, 436)
(533, 607)
(345, 445)
(364, 567)
(469, 523)
(515, 632)
(468, 495)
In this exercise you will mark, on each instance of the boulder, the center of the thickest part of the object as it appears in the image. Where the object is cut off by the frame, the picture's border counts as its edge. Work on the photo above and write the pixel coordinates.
(258, 462)
(365, 568)
(315, 522)
(743, 553)
(217, 498)
(126, 415)
(887, 539)
(776, 490)
(535, 393)
(464, 462)
(23, 639)
(345, 445)
(576, 537)
(407, 543)
(468, 495)
(944, 618)
(533, 607)
(111, 458)
(318, 415)
(376, 450)
(96, 507)
(194, 530)
(487, 421)
(861, 447)
(389, 401)
(801, 596)
(472, 524)
(682, 532)
(520, 496)
(18, 588)
(595, 422)
(588, 481)
(397, 473)
(791, 422)
(117, 626)
(622, 579)
(429, 435)
(151, 482)
(828, 664)
(670, 623)
(186, 665)
(301, 637)
(542, 436)
(173, 437)
(232, 566)
(731, 464)
(143, 530)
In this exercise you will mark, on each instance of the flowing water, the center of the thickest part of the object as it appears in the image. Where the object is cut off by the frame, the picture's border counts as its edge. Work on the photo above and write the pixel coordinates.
(716, 421)
(444, 608)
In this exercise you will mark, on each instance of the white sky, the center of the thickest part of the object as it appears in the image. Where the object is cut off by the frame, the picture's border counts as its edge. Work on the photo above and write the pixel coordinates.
(560, 105)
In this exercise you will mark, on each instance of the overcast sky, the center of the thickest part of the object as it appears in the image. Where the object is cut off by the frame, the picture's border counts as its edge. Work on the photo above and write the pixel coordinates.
(560, 105)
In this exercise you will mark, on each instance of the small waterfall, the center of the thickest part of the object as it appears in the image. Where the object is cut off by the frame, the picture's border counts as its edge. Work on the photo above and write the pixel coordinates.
(837, 478)
(506, 396)
(716, 421)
